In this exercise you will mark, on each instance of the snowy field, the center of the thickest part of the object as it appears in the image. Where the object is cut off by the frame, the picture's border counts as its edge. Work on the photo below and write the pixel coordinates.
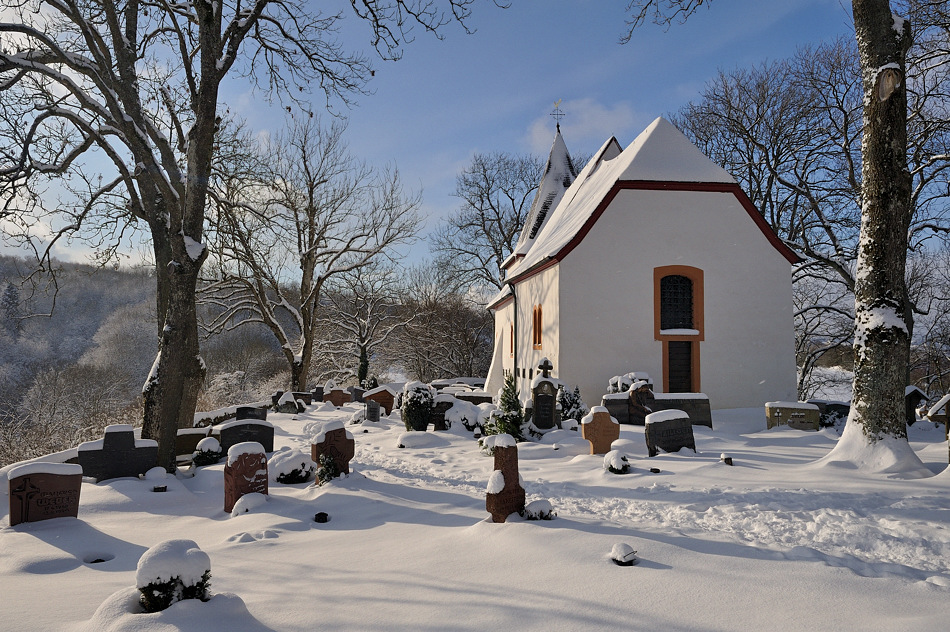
(776, 542)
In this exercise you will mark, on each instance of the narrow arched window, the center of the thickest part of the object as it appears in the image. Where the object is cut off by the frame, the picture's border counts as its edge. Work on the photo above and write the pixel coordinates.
(511, 341)
(536, 337)
(676, 302)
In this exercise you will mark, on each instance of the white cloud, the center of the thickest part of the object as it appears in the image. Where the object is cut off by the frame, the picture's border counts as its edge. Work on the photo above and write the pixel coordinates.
(585, 126)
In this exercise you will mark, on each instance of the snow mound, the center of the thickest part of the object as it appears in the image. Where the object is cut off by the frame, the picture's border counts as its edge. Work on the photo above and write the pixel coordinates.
(248, 502)
(888, 455)
(121, 612)
(172, 558)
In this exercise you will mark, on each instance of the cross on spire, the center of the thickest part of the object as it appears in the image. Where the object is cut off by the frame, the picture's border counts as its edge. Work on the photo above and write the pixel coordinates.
(557, 113)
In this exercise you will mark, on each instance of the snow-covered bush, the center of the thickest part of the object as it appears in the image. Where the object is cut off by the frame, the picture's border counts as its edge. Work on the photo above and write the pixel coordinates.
(207, 452)
(508, 418)
(327, 469)
(171, 571)
(616, 462)
(572, 406)
(538, 510)
(291, 466)
(490, 442)
(416, 405)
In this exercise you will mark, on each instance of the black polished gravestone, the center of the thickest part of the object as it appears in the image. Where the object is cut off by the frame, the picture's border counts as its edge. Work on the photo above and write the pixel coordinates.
(670, 431)
(544, 395)
(251, 412)
(117, 454)
(40, 491)
(372, 410)
(239, 431)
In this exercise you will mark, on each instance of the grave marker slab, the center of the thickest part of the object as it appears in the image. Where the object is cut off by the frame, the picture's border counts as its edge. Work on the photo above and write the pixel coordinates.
(382, 395)
(440, 406)
(356, 393)
(251, 412)
(797, 415)
(511, 497)
(544, 394)
(40, 491)
(242, 430)
(696, 405)
(117, 454)
(305, 396)
(336, 442)
(670, 431)
(244, 473)
(372, 410)
(600, 429)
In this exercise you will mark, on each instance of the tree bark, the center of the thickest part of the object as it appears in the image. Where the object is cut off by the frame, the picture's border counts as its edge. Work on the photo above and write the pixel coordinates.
(882, 311)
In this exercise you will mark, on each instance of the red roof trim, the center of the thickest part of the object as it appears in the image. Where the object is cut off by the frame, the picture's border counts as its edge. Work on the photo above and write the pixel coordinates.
(650, 185)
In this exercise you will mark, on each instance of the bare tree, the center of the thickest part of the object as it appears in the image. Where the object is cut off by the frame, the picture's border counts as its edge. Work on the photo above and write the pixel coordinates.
(496, 192)
(363, 316)
(318, 214)
(117, 103)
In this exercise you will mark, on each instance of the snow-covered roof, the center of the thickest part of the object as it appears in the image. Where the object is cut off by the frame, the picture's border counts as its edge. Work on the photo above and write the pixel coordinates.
(936, 408)
(559, 174)
(661, 153)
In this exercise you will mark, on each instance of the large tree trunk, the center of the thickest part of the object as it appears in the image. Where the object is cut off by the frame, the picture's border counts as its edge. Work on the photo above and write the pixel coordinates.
(882, 314)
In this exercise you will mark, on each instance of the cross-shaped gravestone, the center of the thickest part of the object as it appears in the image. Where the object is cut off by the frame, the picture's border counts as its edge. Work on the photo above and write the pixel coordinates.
(600, 429)
(546, 367)
(511, 498)
(337, 443)
(544, 397)
(117, 454)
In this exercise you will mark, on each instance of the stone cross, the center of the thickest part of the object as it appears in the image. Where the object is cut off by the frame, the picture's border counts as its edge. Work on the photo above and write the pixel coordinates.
(118, 454)
(546, 367)
(338, 444)
(600, 429)
(511, 498)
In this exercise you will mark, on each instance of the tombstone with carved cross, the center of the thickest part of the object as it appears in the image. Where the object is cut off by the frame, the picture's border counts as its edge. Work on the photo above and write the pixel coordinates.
(544, 397)
(39, 491)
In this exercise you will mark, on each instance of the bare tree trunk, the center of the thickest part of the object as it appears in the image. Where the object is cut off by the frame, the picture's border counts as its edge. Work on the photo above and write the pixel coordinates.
(882, 311)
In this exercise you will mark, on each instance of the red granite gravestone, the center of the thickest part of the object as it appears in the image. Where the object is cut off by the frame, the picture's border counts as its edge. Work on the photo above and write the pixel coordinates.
(244, 473)
(382, 395)
(600, 429)
(337, 397)
(40, 491)
(335, 442)
(511, 498)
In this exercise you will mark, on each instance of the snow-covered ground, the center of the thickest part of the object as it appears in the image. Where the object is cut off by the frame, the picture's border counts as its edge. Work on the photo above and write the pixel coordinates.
(775, 542)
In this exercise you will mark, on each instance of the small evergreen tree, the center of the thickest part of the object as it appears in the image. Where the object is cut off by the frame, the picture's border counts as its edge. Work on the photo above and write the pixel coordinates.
(572, 406)
(509, 417)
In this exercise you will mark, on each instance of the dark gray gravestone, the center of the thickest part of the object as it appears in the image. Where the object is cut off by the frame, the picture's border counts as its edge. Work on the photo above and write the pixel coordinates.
(372, 410)
(276, 397)
(305, 396)
(696, 405)
(40, 491)
(356, 393)
(544, 395)
(239, 431)
(670, 431)
(618, 405)
(437, 416)
(251, 412)
(117, 454)
(317, 394)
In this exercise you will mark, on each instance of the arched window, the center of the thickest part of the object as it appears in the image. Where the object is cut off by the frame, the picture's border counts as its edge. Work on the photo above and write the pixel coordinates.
(676, 302)
(536, 334)
(511, 341)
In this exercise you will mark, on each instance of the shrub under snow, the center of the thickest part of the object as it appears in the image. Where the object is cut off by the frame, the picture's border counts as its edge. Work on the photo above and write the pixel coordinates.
(171, 571)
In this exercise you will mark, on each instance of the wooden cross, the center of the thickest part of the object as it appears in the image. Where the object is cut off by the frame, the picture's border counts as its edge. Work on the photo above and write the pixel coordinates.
(557, 113)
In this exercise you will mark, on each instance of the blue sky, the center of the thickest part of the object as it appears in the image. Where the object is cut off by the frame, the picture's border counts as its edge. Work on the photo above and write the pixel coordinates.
(494, 90)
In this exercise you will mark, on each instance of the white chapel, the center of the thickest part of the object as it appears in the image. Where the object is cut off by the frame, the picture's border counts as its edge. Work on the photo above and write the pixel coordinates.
(650, 259)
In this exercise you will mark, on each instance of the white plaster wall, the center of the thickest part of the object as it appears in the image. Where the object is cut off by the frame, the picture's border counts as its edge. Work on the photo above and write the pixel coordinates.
(606, 310)
(541, 289)
(501, 361)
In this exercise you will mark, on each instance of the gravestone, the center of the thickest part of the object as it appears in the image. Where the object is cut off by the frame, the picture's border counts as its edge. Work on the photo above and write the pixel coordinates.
(336, 442)
(475, 397)
(383, 396)
(797, 415)
(317, 394)
(40, 491)
(251, 412)
(337, 397)
(641, 402)
(244, 473)
(372, 410)
(510, 497)
(276, 397)
(243, 430)
(696, 405)
(305, 396)
(117, 454)
(600, 429)
(288, 405)
(356, 393)
(544, 394)
(437, 417)
(618, 405)
(670, 431)
(187, 439)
